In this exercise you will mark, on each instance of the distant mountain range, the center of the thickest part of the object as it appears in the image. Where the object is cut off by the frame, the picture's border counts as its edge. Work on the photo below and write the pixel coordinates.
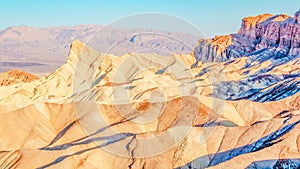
(42, 50)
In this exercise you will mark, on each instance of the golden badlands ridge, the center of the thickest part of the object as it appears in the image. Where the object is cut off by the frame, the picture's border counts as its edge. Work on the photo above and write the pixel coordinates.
(157, 112)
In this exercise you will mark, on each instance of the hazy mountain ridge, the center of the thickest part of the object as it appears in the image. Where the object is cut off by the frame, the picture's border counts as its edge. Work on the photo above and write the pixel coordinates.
(49, 46)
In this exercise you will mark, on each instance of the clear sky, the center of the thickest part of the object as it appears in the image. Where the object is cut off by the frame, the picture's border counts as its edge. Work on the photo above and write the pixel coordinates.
(212, 17)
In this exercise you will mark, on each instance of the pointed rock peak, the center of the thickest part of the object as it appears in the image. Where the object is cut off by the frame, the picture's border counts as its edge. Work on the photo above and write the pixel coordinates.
(77, 46)
(80, 51)
(76, 49)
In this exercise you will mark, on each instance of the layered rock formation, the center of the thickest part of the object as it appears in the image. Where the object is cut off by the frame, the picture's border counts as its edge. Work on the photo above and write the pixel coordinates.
(272, 36)
(54, 122)
(147, 111)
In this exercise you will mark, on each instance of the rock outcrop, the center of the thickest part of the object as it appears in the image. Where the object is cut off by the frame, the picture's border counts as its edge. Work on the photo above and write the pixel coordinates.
(16, 76)
(278, 35)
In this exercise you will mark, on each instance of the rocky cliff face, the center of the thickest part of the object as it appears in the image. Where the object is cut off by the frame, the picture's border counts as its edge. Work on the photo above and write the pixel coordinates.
(275, 36)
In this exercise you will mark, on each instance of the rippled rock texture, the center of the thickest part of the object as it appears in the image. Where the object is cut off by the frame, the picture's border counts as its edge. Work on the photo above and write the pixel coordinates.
(149, 111)
(146, 111)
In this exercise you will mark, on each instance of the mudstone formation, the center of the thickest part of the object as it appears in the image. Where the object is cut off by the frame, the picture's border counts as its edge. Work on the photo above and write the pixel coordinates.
(233, 103)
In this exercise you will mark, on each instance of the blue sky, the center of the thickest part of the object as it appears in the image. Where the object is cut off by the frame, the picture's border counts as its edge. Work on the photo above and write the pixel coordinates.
(212, 17)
